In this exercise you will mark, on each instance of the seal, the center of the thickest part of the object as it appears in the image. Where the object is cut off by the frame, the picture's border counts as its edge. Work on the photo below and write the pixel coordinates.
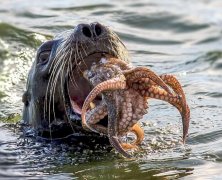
(56, 88)
(81, 83)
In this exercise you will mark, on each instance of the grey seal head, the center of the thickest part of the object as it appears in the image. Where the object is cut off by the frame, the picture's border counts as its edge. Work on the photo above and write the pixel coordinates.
(56, 88)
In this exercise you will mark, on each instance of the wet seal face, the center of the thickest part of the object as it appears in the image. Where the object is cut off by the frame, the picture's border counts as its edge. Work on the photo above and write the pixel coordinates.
(56, 88)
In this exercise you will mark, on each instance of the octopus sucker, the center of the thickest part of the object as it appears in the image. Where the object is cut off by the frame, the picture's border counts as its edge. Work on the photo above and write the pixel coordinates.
(177, 98)
(134, 74)
(124, 93)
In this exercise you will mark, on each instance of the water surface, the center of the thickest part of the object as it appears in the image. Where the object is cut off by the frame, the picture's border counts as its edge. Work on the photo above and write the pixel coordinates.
(170, 36)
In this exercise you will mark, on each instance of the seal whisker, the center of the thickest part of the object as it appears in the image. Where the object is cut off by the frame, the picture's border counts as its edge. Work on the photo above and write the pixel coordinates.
(84, 50)
(62, 78)
(122, 50)
(111, 45)
(79, 55)
(52, 84)
(70, 72)
(82, 59)
(54, 64)
(52, 90)
(60, 51)
(76, 54)
(58, 71)
(69, 120)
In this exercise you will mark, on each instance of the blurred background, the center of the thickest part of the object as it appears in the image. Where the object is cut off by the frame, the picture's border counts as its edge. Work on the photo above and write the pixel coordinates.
(181, 37)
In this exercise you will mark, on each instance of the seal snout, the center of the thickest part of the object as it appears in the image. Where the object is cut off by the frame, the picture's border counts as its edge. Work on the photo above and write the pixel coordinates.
(91, 31)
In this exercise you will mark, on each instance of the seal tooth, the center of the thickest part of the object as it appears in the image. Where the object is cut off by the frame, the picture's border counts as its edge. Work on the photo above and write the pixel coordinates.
(92, 105)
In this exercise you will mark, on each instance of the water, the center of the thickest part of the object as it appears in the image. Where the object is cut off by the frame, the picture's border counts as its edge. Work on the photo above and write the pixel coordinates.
(170, 36)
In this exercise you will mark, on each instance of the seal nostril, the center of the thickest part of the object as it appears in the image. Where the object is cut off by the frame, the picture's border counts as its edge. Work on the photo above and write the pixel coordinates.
(86, 31)
(98, 29)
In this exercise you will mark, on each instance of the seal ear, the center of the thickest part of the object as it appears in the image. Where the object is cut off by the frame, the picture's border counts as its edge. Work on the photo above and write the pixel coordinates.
(26, 98)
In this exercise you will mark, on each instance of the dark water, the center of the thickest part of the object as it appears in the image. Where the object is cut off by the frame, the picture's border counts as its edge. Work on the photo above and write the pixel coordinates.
(182, 37)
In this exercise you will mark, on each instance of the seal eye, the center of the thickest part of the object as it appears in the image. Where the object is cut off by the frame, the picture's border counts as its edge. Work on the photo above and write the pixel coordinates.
(44, 57)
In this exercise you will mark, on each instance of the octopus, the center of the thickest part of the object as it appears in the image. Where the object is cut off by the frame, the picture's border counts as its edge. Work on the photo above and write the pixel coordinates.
(121, 92)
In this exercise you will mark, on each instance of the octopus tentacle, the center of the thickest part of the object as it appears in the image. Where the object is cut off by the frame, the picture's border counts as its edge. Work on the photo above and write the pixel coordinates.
(122, 64)
(150, 89)
(114, 115)
(141, 72)
(95, 115)
(114, 141)
(112, 84)
(172, 81)
(139, 132)
(175, 100)
(185, 111)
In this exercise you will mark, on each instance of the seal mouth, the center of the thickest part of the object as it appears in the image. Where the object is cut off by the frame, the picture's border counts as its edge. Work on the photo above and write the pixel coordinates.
(78, 86)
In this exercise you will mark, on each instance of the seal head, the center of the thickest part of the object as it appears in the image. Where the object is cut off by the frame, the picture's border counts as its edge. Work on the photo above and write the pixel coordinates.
(56, 88)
